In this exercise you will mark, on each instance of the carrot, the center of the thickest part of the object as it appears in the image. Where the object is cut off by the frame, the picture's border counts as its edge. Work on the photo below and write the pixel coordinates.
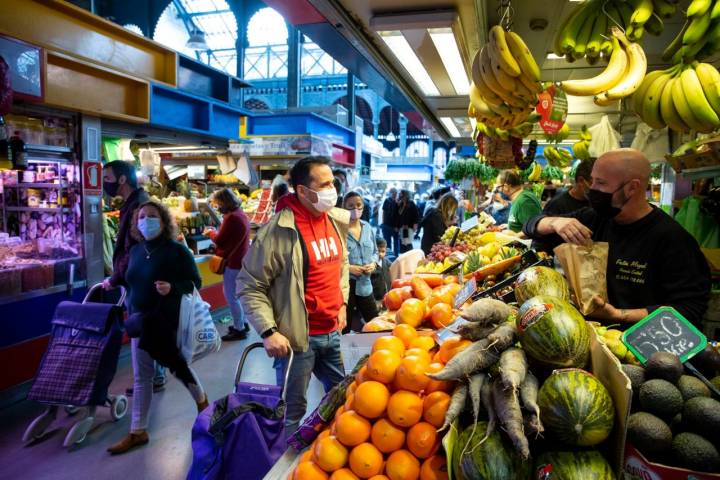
(457, 402)
(503, 336)
(474, 331)
(487, 311)
(474, 386)
(513, 368)
(473, 359)
(528, 394)
(507, 409)
(494, 269)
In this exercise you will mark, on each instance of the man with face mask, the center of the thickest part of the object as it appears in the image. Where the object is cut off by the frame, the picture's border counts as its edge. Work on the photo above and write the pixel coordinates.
(652, 260)
(575, 197)
(294, 284)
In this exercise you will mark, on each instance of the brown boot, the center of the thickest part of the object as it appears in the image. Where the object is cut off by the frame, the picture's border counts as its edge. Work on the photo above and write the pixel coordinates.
(131, 441)
(202, 405)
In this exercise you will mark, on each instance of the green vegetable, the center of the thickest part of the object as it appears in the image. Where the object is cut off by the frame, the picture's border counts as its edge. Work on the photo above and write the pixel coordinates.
(493, 459)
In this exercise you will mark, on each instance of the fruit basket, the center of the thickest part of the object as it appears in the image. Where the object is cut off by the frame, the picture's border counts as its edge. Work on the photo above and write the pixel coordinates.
(706, 155)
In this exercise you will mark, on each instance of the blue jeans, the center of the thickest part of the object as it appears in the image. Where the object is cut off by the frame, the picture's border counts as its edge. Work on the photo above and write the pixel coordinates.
(324, 360)
(392, 238)
(230, 289)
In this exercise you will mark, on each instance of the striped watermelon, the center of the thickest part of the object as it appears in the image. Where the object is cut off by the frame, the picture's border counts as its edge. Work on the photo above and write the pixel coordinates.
(494, 459)
(553, 332)
(539, 280)
(588, 465)
(576, 408)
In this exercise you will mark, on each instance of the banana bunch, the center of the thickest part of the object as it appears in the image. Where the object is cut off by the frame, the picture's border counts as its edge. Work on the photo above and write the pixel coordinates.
(683, 98)
(584, 32)
(557, 156)
(506, 81)
(622, 76)
(535, 173)
(581, 149)
(700, 36)
(560, 136)
(520, 131)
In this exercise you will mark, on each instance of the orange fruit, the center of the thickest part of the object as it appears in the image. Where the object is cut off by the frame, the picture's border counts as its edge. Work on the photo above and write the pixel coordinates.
(349, 402)
(441, 315)
(451, 347)
(402, 465)
(309, 471)
(405, 333)
(411, 312)
(330, 454)
(386, 436)
(339, 411)
(389, 342)
(343, 474)
(361, 375)
(306, 456)
(419, 352)
(420, 288)
(405, 408)
(434, 407)
(394, 298)
(382, 364)
(366, 460)
(434, 468)
(352, 429)
(371, 399)
(410, 375)
(425, 343)
(351, 388)
(379, 477)
(422, 440)
(450, 279)
(324, 434)
(436, 358)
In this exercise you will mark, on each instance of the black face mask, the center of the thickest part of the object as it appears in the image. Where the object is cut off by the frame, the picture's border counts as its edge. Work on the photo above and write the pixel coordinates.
(601, 202)
(111, 188)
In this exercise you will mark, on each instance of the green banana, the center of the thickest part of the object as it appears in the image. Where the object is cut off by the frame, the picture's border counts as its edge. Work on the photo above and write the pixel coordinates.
(676, 44)
(635, 33)
(699, 7)
(583, 37)
(599, 29)
(664, 8)
(570, 21)
(641, 14)
(651, 102)
(688, 52)
(695, 96)
(626, 12)
(655, 25)
(585, 133)
(639, 95)
(715, 13)
(698, 27)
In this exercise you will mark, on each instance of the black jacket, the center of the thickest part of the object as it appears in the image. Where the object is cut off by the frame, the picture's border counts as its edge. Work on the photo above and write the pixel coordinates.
(433, 227)
(121, 255)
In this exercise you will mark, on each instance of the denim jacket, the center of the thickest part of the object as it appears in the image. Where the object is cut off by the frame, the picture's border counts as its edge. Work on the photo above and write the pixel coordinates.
(362, 252)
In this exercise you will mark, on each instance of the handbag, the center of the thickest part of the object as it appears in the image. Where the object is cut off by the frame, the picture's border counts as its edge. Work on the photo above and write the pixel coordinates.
(196, 334)
(218, 264)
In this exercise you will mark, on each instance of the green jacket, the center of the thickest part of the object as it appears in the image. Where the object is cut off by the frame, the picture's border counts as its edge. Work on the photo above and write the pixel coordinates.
(271, 285)
(522, 209)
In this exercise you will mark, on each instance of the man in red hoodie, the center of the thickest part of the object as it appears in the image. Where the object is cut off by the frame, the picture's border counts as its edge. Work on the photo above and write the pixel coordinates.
(294, 284)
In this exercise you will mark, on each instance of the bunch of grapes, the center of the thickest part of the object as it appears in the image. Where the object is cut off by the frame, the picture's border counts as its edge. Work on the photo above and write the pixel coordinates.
(440, 251)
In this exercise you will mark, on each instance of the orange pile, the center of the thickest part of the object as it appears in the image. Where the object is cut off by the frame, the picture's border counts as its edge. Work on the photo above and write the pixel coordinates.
(387, 429)
(425, 298)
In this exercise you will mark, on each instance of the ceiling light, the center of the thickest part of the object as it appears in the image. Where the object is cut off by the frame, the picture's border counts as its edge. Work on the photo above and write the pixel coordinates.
(444, 40)
(552, 56)
(450, 126)
(197, 40)
(400, 47)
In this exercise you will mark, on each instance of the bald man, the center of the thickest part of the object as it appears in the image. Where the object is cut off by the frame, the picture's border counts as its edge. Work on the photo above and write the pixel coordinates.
(652, 260)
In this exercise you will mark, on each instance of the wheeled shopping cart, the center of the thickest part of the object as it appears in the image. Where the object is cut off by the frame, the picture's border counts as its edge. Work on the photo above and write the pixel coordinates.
(79, 365)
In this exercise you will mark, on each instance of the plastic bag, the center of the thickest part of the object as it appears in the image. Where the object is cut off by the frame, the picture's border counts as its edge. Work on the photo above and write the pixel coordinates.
(604, 138)
(698, 224)
(653, 143)
(586, 270)
(196, 334)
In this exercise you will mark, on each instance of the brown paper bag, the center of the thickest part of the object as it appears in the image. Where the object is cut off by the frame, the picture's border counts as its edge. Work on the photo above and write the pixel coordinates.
(586, 270)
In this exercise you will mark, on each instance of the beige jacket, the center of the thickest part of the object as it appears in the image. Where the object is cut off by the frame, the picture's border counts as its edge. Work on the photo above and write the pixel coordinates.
(271, 286)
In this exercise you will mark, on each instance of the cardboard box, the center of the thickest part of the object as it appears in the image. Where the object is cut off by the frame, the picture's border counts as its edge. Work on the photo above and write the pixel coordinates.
(354, 346)
(637, 467)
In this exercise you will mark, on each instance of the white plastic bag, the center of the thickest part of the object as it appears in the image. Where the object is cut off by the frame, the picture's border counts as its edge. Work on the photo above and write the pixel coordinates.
(196, 335)
(604, 138)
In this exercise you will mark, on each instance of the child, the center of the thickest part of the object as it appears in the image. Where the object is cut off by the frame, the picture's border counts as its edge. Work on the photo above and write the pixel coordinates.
(381, 276)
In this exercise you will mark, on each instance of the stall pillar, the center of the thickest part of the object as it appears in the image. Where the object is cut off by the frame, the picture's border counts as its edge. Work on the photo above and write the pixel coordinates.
(403, 136)
(351, 98)
(294, 63)
(92, 196)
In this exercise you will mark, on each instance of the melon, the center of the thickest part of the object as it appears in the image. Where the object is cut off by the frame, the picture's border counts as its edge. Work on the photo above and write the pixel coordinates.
(590, 465)
(553, 332)
(540, 280)
(493, 459)
(576, 408)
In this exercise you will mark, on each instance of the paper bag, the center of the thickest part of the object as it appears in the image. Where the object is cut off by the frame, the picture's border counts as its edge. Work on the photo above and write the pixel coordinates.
(586, 270)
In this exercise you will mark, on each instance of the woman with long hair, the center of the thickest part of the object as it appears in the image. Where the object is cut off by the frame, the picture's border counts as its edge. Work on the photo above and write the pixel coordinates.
(437, 220)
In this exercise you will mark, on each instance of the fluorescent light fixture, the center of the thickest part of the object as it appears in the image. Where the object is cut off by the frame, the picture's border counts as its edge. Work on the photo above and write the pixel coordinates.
(444, 40)
(552, 56)
(402, 50)
(450, 126)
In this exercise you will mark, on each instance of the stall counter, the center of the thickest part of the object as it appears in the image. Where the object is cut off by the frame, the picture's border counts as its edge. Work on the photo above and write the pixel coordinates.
(212, 283)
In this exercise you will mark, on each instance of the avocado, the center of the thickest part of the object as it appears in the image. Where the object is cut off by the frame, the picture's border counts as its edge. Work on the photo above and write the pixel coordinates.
(692, 387)
(660, 398)
(707, 361)
(716, 381)
(676, 424)
(664, 365)
(635, 374)
(649, 434)
(696, 453)
(701, 415)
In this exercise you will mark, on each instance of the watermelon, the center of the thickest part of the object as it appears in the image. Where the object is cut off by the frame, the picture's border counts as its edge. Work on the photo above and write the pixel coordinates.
(536, 281)
(553, 332)
(576, 408)
(588, 465)
(495, 459)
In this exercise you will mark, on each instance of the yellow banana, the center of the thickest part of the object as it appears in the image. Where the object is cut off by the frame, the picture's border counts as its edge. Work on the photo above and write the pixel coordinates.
(695, 96)
(710, 81)
(479, 105)
(499, 46)
(508, 83)
(475, 68)
(522, 54)
(639, 94)
(491, 82)
(683, 108)
(669, 113)
(642, 13)
(651, 102)
(600, 83)
(633, 77)
(533, 86)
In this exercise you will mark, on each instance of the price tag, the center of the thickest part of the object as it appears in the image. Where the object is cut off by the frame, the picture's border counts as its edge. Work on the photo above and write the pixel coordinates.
(466, 292)
(450, 331)
(664, 330)
(469, 224)
(553, 109)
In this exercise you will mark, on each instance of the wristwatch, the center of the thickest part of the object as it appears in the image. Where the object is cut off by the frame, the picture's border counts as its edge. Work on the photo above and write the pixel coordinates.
(268, 332)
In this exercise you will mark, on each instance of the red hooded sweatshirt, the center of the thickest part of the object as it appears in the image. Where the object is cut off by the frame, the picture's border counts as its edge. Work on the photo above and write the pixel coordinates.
(323, 296)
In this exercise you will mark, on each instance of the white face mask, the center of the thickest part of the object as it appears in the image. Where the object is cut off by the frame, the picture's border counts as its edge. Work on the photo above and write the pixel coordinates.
(326, 199)
(150, 227)
(355, 213)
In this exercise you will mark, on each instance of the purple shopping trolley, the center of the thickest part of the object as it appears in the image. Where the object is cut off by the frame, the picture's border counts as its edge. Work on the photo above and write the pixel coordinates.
(79, 365)
(241, 436)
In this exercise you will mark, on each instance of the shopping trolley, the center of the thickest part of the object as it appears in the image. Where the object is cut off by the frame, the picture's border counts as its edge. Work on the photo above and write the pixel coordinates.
(78, 366)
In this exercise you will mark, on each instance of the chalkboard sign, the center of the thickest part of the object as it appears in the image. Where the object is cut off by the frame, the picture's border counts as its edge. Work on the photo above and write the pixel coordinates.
(664, 330)
(466, 292)
(469, 224)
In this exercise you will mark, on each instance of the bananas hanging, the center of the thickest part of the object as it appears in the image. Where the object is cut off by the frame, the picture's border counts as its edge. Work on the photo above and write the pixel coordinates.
(557, 156)
(584, 32)
(700, 36)
(683, 98)
(503, 93)
(622, 76)
(581, 148)
(560, 136)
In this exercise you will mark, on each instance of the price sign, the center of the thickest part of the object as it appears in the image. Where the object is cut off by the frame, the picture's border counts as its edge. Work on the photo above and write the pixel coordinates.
(664, 330)
(466, 292)
(553, 109)
(469, 224)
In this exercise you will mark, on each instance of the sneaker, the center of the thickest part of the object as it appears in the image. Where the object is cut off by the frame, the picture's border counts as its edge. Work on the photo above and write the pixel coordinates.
(234, 334)
(157, 387)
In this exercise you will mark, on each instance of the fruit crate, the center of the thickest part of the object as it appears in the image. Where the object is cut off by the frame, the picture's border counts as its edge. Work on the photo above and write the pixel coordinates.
(637, 466)
(710, 157)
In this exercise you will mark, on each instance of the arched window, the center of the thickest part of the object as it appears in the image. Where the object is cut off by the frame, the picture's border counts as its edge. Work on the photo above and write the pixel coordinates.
(440, 157)
(316, 62)
(418, 149)
(212, 17)
(267, 53)
(133, 28)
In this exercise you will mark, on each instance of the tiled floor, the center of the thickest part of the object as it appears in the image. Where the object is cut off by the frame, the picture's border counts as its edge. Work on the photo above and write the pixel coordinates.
(166, 457)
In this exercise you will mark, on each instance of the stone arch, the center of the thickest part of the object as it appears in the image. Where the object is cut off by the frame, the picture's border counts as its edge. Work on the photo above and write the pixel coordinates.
(362, 110)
